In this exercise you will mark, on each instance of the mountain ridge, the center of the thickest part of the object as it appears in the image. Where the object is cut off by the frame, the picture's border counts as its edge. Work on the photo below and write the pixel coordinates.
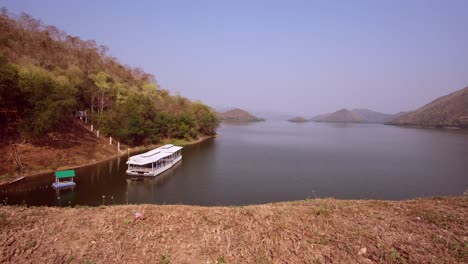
(237, 115)
(357, 115)
(450, 110)
(373, 116)
(342, 116)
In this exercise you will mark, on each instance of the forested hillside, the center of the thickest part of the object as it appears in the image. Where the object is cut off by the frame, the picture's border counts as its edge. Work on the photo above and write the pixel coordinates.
(46, 75)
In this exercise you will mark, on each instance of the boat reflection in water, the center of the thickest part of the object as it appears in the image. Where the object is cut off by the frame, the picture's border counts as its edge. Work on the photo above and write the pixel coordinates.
(143, 188)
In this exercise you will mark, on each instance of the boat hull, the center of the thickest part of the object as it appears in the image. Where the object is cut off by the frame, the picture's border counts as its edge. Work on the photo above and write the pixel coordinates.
(154, 172)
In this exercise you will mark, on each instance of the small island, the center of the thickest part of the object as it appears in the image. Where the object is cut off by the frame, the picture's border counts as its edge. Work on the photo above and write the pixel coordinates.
(341, 116)
(298, 119)
(238, 115)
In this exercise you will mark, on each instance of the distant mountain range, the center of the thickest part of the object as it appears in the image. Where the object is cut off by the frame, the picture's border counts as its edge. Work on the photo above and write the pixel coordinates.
(238, 115)
(320, 117)
(446, 111)
(342, 116)
(273, 115)
(374, 117)
(298, 119)
(355, 116)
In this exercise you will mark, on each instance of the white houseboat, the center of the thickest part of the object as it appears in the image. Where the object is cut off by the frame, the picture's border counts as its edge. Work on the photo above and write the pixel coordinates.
(154, 161)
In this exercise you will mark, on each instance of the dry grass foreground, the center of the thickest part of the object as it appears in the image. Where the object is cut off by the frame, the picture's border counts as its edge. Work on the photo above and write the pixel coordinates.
(430, 230)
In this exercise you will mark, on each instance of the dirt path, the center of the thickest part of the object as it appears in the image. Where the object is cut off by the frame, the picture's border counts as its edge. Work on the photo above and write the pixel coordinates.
(313, 231)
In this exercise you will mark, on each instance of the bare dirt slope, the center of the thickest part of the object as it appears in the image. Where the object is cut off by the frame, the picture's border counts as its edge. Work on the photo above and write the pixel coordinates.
(433, 230)
(446, 111)
(73, 145)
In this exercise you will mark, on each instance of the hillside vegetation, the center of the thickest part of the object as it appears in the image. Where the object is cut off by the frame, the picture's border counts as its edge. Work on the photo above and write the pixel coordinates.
(446, 111)
(46, 75)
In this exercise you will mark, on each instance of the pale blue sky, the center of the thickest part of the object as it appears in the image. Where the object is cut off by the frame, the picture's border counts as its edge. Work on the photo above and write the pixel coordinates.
(298, 57)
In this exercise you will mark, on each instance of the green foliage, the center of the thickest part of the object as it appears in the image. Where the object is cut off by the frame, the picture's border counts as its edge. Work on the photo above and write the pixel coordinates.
(46, 75)
(396, 257)
(206, 120)
(42, 98)
(102, 81)
(164, 259)
(459, 251)
(30, 244)
(48, 99)
(9, 93)
(70, 259)
(121, 93)
(137, 120)
(221, 260)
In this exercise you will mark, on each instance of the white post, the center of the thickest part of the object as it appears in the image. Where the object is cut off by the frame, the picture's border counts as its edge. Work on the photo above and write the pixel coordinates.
(118, 146)
(92, 127)
(97, 133)
(110, 140)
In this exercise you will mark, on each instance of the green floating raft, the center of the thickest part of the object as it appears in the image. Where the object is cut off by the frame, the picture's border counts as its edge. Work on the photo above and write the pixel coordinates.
(65, 174)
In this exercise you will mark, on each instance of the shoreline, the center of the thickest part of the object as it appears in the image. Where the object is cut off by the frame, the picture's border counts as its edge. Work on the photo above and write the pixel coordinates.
(427, 127)
(129, 151)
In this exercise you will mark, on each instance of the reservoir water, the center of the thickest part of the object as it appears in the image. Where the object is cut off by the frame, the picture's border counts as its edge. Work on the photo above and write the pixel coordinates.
(277, 161)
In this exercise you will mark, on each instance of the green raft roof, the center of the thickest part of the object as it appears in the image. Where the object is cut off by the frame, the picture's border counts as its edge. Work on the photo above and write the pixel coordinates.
(64, 174)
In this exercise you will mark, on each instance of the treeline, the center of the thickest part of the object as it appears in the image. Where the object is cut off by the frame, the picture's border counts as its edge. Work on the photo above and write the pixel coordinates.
(46, 75)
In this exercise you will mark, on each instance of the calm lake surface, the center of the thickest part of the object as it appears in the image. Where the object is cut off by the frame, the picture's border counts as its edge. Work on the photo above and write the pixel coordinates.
(278, 161)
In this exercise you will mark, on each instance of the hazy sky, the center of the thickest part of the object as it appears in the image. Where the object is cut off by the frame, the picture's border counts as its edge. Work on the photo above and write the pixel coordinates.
(299, 57)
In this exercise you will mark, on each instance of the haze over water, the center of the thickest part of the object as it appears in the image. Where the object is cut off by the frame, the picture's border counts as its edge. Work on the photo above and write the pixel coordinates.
(279, 161)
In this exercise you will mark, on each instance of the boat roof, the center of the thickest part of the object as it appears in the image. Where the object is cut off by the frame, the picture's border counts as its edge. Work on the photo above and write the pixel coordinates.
(153, 155)
(65, 174)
